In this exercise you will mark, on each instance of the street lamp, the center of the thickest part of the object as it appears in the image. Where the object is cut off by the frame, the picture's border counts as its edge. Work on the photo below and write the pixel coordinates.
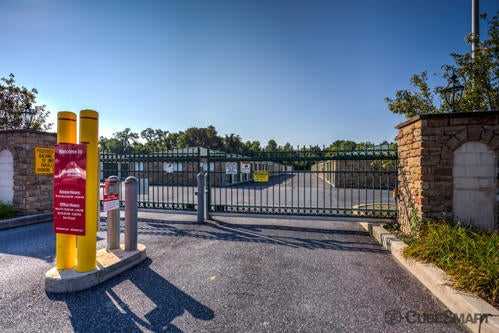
(453, 93)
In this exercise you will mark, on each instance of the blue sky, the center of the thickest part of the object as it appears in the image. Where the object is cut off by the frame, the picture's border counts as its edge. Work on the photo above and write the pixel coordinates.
(304, 72)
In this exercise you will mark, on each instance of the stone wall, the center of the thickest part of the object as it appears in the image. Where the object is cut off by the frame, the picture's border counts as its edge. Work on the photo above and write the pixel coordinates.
(32, 193)
(426, 146)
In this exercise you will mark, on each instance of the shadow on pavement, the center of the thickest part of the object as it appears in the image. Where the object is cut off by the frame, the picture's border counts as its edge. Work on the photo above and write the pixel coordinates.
(102, 309)
(290, 236)
(36, 241)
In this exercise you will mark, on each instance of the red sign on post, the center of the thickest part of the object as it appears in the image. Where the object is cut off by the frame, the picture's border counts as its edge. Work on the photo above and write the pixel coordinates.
(110, 201)
(69, 189)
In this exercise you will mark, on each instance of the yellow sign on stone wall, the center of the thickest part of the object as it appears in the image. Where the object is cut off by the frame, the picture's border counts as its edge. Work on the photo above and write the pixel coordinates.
(44, 161)
(261, 176)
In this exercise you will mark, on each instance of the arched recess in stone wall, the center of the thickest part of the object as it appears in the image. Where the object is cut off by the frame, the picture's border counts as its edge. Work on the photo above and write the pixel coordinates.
(478, 134)
(474, 184)
(6, 176)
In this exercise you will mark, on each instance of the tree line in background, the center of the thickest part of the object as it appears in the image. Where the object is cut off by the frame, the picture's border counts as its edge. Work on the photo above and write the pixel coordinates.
(19, 110)
(157, 140)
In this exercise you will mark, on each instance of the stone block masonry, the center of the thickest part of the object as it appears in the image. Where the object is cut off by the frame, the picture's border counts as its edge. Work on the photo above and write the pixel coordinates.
(426, 146)
(32, 193)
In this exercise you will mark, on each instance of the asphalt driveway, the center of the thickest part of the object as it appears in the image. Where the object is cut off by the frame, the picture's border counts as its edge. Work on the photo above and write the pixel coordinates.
(234, 275)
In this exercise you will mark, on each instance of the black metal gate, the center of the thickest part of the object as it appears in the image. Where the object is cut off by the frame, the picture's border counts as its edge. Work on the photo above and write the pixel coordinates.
(302, 182)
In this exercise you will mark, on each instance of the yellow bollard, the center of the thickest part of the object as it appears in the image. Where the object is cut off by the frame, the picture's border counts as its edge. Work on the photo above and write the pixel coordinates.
(87, 245)
(65, 245)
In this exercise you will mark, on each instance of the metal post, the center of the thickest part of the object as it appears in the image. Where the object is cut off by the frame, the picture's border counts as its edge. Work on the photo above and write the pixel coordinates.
(475, 25)
(201, 196)
(206, 190)
(207, 187)
(86, 245)
(131, 213)
(113, 216)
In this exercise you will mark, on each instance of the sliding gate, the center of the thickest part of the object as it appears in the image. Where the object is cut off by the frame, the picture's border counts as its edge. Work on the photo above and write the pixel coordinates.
(305, 182)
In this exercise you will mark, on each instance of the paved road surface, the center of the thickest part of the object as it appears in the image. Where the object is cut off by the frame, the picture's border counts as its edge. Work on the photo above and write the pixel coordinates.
(238, 275)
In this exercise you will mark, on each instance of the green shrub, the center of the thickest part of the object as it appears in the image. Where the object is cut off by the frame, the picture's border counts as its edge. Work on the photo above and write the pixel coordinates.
(6, 211)
(471, 258)
(415, 222)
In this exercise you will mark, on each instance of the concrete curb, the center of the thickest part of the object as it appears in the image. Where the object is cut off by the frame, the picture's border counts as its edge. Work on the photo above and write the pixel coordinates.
(437, 281)
(25, 220)
(109, 264)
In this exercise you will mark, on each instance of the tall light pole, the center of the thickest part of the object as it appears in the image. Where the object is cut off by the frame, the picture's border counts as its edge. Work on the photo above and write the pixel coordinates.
(475, 25)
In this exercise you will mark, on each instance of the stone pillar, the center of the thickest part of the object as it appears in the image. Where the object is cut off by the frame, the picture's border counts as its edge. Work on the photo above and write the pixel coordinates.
(426, 146)
(32, 191)
(409, 192)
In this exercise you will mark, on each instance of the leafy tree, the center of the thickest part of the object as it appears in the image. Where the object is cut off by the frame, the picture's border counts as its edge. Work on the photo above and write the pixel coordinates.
(287, 147)
(271, 145)
(109, 145)
(251, 147)
(232, 144)
(367, 145)
(418, 101)
(200, 137)
(172, 140)
(156, 140)
(342, 145)
(127, 140)
(478, 75)
(18, 109)
(149, 135)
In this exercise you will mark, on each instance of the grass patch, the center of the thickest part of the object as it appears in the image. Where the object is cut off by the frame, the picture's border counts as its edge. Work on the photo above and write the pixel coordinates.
(6, 211)
(469, 257)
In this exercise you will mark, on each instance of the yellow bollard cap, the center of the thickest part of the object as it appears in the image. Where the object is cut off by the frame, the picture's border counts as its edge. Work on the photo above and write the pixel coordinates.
(89, 114)
(66, 115)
